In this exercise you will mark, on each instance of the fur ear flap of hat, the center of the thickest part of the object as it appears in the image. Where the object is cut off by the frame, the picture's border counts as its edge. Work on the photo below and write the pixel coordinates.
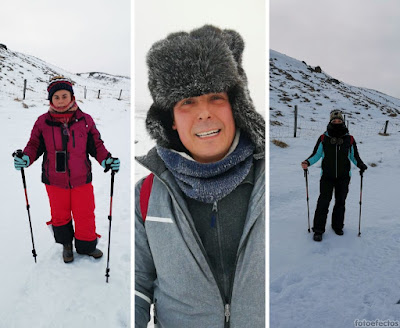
(206, 60)
(59, 83)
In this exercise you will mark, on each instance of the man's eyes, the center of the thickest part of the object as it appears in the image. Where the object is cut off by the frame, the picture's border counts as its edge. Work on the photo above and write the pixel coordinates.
(187, 102)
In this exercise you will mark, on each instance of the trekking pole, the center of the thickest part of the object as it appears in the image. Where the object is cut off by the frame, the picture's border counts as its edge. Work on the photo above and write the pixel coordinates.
(308, 205)
(19, 154)
(109, 227)
(359, 219)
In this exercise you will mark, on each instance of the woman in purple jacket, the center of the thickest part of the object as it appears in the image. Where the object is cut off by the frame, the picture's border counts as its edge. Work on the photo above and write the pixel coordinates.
(66, 136)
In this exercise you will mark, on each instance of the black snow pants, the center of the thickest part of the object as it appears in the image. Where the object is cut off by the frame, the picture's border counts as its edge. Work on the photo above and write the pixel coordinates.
(327, 185)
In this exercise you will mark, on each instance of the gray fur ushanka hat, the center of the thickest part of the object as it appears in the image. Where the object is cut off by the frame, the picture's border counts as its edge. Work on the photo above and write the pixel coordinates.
(184, 65)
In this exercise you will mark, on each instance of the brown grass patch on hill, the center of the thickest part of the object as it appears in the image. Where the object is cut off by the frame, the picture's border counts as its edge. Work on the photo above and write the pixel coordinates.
(279, 143)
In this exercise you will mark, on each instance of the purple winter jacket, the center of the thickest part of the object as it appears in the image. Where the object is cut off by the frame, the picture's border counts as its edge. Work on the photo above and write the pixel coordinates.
(78, 139)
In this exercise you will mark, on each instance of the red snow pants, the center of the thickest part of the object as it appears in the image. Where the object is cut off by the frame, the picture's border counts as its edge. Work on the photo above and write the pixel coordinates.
(79, 202)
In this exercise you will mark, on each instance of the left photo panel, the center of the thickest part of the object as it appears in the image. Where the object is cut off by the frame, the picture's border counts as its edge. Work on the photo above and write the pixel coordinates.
(65, 108)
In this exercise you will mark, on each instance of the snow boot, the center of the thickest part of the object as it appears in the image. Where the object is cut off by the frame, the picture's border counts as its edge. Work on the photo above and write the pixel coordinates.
(96, 253)
(317, 236)
(338, 231)
(68, 255)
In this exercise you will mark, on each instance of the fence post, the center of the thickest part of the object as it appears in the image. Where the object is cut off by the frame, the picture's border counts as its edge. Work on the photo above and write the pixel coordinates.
(98, 95)
(295, 120)
(120, 93)
(84, 93)
(24, 88)
(386, 125)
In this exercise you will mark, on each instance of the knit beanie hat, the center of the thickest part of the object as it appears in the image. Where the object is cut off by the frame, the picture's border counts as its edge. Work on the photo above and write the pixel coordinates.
(184, 65)
(336, 114)
(59, 83)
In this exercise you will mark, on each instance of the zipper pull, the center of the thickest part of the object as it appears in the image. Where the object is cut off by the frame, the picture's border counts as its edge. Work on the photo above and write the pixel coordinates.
(227, 312)
(214, 214)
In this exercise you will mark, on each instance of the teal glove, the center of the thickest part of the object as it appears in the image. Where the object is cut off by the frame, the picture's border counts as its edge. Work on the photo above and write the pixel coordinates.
(21, 162)
(112, 163)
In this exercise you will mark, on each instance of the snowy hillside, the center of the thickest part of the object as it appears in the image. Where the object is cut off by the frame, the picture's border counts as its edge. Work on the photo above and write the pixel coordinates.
(344, 278)
(51, 293)
(16, 66)
(293, 82)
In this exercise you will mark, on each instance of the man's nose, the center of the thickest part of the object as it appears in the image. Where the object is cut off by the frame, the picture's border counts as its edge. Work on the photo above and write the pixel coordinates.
(204, 110)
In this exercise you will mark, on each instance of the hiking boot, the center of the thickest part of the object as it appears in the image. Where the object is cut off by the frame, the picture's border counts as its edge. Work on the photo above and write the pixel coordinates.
(96, 253)
(68, 255)
(317, 236)
(339, 232)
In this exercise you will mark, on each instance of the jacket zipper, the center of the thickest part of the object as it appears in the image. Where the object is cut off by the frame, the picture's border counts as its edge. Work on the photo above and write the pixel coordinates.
(336, 161)
(66, 154)
(73, 138)
(155, 313)
(227, 313)
(225, 288)
(227, 306)
(214, 214)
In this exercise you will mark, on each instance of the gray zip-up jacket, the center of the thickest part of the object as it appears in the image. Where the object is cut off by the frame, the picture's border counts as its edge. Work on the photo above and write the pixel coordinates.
(171, 266)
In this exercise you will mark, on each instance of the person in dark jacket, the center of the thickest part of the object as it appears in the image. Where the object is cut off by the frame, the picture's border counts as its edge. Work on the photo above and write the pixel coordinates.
(200, 249)
(337, 148)
(65, 136)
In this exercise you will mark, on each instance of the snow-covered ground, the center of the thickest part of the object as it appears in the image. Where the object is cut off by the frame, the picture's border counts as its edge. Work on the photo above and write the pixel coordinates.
(51, 293)
(344, 278)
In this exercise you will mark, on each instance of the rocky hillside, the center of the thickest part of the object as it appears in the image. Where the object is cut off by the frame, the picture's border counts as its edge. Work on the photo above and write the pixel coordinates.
(294, 82)
(15, 67)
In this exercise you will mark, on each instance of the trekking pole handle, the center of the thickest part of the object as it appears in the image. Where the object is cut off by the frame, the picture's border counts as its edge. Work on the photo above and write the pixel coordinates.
(18, 153)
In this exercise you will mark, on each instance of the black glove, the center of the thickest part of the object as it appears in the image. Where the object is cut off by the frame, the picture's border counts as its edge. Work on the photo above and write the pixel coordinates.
(363, 168)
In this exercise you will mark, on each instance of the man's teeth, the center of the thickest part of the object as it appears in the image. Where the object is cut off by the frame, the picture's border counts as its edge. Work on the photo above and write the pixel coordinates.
(208, 133)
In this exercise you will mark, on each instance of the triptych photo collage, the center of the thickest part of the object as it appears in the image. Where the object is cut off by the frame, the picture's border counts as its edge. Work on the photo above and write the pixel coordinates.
(214, 164)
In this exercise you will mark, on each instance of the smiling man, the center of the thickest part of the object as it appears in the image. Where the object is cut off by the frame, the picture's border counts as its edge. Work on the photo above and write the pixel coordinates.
(205, 126)
(199, 223)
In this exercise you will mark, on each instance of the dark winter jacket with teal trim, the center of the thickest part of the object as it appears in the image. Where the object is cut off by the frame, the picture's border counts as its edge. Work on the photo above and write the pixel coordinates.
(78, 139)
(336, 154)
(173, 270)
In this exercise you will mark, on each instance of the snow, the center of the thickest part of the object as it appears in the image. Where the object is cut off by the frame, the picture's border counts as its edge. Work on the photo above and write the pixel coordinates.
(344, 278)
(51, 293)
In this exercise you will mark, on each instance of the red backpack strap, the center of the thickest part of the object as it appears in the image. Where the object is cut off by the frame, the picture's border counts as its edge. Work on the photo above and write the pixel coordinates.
(145, 192)
(351, 140)
(322, 137)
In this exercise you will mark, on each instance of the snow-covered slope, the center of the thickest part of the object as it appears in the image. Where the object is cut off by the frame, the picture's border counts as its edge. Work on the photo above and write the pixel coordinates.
(15, 67)
(293, 82)
(344, 278)
(50, 293)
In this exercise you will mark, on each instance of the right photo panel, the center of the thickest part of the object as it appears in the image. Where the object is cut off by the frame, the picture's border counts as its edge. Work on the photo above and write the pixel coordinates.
(334, 105)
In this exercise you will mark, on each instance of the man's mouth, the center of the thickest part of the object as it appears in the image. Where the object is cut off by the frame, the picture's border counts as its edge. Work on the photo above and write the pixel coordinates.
(208, 133)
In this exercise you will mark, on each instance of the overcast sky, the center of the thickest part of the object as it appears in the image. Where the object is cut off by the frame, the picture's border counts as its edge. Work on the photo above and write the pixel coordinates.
(155, 19)
(78, 36)
(356, 41)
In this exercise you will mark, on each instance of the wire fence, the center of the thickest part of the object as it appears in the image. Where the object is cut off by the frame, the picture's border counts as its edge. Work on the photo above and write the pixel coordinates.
(103, 90)
(307, 128)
